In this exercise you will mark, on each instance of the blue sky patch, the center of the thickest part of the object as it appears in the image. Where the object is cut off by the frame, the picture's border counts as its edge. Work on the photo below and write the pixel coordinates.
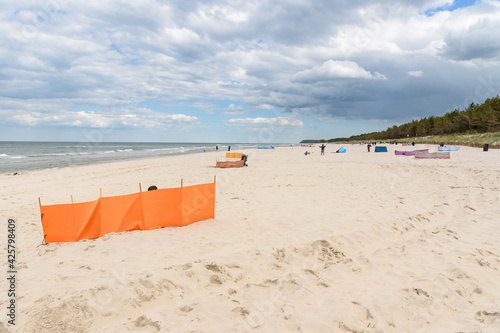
(457, 4)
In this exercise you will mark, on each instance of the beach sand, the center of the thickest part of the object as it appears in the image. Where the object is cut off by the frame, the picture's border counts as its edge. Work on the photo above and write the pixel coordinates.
(354, 242)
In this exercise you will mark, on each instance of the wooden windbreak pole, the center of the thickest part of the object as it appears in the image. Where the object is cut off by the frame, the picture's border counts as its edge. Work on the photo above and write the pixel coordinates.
(214, 178)
(140, 188)
(72, 198)
(41, 217)
(182, 182)
(100, 192)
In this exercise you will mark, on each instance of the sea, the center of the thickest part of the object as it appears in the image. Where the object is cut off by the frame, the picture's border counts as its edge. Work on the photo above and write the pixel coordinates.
(22, 156)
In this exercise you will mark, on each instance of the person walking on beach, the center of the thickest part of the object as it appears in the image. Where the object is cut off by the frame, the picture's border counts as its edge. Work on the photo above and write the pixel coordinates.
(217, 147)
(229, 148)
(322, 149)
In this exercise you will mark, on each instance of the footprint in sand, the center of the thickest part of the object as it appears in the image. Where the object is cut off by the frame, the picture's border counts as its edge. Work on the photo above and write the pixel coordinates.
(222, 273)
(145, 322)
(486, 317)
(492, 258)
(242, 311)
(324, 251)
(188, 308)
(418, 295)
(319, 280)
(59, 317)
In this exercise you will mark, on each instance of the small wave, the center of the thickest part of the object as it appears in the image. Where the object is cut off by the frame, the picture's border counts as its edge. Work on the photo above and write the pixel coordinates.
(12, 156)
(163, 149)
(76, 154)
(58, 154)
(247, 146)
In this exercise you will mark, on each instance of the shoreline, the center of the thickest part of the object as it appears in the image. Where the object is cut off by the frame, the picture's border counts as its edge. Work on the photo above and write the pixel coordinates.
(105, 163)
(80, 157)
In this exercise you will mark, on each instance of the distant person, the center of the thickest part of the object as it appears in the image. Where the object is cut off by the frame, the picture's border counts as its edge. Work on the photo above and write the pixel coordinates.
(368, 146)
(216, 147)
(322, 149)
(413, 143)
(229, 148)
(152, 188)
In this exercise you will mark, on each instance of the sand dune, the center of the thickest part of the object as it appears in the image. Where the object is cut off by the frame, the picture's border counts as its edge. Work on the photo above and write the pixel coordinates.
(354, 242)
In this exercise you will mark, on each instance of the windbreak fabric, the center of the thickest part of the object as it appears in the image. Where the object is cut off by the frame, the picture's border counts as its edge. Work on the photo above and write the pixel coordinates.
(381, 149)
(233, 155)
(138, 211)
(230, 164)
(410, 152)
(448, 148)
(438, 155)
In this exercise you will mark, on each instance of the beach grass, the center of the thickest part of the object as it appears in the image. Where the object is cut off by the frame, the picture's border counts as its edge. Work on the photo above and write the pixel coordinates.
(473, 140)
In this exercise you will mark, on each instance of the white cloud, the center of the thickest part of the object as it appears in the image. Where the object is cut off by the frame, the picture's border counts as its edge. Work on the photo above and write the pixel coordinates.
(181, 35)
(418, 73)
(470, 42)
(266, 107)
(333, 69)
(136, 118)
(233, 109)
(276, 121)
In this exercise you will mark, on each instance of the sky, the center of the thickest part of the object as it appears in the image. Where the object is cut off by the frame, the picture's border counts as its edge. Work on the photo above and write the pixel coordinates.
(239, 70)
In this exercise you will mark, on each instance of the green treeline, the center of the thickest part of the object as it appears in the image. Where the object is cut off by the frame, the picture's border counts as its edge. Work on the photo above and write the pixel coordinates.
(476, 118)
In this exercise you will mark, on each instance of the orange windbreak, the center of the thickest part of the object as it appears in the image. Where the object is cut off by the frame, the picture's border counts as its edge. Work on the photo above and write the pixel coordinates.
(198, 203)
(233, 155)
(138, 211)
(229, 164)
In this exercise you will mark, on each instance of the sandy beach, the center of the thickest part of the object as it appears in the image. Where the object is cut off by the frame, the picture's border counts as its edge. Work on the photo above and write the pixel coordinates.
(353, 242)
